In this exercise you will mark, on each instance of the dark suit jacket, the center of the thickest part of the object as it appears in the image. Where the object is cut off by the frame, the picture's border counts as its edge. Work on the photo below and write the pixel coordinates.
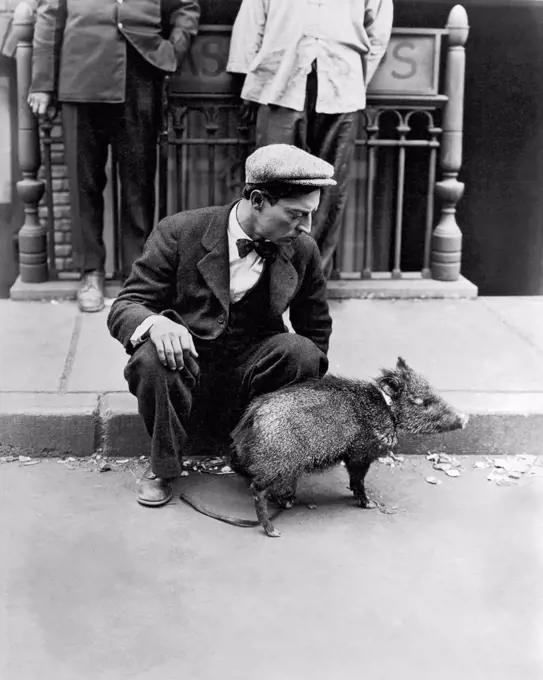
(184, 273)
(79, 50)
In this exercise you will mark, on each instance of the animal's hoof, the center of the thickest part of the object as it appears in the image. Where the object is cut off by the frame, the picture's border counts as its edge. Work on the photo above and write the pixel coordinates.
(366, 505)
(273, 533)
(285, 503)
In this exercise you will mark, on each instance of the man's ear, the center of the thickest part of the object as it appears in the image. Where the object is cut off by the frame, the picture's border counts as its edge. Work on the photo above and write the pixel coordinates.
(257, 199)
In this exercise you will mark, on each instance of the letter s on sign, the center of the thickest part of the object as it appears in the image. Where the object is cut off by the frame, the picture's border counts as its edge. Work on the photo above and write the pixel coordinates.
(215, 56)
(410, 61)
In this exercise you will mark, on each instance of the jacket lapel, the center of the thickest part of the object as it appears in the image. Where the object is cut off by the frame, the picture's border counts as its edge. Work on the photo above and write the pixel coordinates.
(283, 280)
(215, 265)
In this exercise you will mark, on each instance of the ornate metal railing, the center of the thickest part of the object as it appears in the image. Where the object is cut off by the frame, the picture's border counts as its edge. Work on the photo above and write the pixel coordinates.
(410, 133)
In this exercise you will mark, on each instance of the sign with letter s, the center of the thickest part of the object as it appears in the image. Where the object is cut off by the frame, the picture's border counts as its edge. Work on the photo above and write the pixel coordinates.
(409, 67)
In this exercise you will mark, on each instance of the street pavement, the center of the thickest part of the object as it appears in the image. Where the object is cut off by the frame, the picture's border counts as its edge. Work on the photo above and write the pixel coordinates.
(444, 583)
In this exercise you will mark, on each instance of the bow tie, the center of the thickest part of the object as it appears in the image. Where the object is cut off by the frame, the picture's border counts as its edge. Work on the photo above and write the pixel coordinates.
(265, 249)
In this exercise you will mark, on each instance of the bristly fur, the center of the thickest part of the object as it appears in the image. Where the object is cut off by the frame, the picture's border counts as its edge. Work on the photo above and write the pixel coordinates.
(316, 424)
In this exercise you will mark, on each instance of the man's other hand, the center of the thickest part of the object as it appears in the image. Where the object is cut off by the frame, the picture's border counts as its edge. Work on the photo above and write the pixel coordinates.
(39, 102)
(171, 340)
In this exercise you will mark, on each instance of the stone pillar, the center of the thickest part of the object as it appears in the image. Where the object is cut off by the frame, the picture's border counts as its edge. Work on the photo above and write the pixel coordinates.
(32, 235)
(447, 238)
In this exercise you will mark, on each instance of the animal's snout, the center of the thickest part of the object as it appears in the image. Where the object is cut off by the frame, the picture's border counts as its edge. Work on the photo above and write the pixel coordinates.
(463, 418)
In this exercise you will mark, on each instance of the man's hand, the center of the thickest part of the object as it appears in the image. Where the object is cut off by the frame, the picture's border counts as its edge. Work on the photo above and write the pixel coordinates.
(171, 340)
(39, 102)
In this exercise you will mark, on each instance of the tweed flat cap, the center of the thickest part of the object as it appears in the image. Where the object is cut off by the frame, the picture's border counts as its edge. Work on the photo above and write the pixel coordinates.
(289, 165)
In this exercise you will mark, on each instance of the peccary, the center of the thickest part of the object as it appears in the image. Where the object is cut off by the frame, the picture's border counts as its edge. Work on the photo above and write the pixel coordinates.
(314, 425)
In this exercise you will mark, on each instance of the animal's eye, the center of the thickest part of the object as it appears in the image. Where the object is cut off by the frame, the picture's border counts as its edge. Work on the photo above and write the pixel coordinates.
(418, 401)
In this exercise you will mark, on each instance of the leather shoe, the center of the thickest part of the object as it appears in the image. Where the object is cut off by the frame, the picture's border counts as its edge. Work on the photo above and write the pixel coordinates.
(154, 492)
(90, 295)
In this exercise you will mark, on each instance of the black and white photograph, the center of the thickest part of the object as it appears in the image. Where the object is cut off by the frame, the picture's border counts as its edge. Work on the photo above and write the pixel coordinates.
(271, 269)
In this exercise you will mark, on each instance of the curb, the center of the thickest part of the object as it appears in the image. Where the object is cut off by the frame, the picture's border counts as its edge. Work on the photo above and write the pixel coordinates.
(80, 424)
(486, 434)
(48, 424)
(123, 432)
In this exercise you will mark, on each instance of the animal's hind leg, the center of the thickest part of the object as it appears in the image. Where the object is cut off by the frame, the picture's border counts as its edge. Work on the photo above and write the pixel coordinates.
(261, 506)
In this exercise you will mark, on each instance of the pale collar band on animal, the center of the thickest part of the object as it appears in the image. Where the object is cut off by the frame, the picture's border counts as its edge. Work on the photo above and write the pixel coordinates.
(386, 397)
(265, 249)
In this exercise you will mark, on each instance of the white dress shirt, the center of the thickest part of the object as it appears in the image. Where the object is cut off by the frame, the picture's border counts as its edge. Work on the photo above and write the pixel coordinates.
(244, 272)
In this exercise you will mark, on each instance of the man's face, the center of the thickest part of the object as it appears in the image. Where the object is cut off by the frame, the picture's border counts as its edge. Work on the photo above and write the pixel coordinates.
(285, 220)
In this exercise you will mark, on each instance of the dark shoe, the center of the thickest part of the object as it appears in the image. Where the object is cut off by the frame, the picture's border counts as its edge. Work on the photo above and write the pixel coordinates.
(154, 491)
(90, 295)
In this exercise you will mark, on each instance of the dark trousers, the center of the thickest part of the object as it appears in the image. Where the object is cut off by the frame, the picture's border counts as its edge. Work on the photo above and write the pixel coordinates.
(328, 136)
(209, 395)
(132, 128)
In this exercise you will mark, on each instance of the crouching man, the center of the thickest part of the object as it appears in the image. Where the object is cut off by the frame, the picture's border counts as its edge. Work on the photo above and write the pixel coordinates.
(201, 313)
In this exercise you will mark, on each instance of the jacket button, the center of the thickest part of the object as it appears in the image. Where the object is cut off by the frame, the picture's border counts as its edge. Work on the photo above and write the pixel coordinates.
(220, 318)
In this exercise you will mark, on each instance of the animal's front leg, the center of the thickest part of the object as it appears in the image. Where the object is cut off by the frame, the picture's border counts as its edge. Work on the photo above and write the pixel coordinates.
(284, 494)
(357, 470)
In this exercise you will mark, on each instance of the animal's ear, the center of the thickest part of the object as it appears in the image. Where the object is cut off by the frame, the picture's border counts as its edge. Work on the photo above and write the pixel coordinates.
(390, 383)
(401, 365)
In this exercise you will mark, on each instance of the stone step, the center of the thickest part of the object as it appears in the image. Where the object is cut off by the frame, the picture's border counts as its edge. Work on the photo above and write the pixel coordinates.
(381, 286)
(81, 424)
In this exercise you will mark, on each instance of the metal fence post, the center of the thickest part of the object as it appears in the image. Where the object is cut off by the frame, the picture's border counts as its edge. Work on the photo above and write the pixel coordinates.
(32, 235)
(447, 238)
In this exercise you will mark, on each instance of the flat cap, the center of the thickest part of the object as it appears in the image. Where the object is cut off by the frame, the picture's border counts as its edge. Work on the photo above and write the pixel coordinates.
(289, 165)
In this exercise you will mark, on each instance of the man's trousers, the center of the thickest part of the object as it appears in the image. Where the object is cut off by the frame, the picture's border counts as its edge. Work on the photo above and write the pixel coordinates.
(132, 128)
(328, 136)
(208, 396)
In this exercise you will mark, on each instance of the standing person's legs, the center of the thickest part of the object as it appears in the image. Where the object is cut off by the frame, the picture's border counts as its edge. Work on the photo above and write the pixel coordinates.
(334, 141)
(277, 125)
(332, 138)
(328, 136)
(86, 139)
(136, 140)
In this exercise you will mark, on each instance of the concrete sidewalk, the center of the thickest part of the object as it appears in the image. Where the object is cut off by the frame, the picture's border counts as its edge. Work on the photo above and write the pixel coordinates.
(62, 388)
